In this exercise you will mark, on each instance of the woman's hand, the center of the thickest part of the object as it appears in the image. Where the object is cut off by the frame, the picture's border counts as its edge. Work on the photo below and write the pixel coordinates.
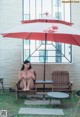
(31, 74)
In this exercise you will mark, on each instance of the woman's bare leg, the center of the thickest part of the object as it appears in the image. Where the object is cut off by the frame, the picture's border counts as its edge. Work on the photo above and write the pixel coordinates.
(24, 84)
(30, 84)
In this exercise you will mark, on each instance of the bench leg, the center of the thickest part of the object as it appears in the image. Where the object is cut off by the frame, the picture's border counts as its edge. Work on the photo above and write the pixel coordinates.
(50, 101)
(17, 95)
(2, 86)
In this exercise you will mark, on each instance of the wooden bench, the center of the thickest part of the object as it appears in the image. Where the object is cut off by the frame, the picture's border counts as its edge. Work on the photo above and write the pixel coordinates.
(43, 82)
(61, 81)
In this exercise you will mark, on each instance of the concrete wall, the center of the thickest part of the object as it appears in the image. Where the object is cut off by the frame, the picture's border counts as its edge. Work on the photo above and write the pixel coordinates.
(11, 49)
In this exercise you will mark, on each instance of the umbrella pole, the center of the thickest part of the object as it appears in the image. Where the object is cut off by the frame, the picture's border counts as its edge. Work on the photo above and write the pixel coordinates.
(45, 62)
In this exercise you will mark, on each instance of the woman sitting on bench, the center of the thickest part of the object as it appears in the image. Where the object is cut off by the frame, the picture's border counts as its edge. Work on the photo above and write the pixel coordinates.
(26, 76)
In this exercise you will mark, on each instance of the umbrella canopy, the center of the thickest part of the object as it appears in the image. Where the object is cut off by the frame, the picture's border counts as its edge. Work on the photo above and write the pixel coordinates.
(48, 20)
(45, 29)
(56, 32)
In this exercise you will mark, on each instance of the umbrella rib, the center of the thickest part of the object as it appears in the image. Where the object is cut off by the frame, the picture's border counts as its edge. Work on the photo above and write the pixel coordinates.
(28, 36)
(61, 53)
(58, 49)
(75, 40)
(34, 51)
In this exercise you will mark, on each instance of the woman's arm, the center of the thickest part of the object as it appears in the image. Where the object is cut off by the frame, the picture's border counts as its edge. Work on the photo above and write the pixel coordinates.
(32, 74)
(20, 75)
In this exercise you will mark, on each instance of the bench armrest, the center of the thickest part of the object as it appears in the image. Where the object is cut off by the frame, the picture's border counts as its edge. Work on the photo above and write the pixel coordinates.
(18, 84)
(70, 83)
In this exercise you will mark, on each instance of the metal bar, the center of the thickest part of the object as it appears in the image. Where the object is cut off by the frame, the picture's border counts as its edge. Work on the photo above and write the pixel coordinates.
(41, 7)
(23, 19)
(34, 52)
(48, 56)
(70, 53)
(29, 10)
(64, 10)
(45, 61)
(52, 7)
(70, 11)
(35, 9)
(22, 9)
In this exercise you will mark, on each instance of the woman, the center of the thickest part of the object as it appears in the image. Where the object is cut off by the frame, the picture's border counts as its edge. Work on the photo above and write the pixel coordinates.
(27, 77)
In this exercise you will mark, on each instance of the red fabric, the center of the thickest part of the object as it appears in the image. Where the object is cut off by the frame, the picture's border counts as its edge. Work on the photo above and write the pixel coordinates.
(63, 38)
(48, 21)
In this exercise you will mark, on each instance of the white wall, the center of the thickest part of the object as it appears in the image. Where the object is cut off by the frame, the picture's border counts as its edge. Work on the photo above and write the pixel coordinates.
(75, 70)
(11, 49)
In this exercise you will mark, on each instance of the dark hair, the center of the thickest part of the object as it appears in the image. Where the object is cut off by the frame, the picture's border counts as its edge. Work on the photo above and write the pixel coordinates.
(25, 62)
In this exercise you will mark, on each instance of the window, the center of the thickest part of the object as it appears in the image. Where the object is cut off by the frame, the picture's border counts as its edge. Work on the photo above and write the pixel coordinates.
(58, 15)
(57, 3)
(26, 54)
(26, 42)
(58, 53)
(55, 52)
(42, 57)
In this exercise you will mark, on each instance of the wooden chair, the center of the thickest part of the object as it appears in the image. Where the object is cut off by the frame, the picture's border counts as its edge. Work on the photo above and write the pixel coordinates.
(19, 90)
(61, 81)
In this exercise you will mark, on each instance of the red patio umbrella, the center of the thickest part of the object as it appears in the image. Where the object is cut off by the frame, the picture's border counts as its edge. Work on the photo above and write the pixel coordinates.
(47, 30)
